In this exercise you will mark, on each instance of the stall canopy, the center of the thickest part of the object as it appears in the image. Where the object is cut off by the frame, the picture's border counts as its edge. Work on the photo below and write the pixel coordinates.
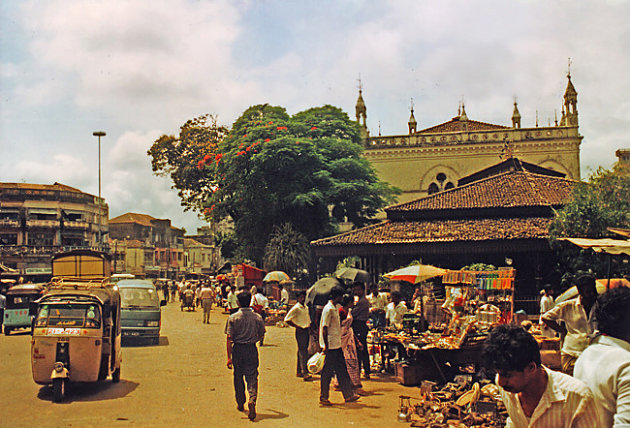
(415, 273)
(609, 246)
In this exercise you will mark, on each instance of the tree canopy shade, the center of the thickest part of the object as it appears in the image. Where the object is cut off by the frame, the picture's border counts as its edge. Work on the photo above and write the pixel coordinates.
(601, 202)
(272, 168)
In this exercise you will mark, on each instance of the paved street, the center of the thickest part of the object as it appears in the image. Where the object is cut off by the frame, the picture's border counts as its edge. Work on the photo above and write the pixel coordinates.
(184, 381)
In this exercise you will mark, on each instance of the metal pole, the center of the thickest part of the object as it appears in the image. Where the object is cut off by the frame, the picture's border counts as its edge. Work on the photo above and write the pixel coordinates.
(99, 134)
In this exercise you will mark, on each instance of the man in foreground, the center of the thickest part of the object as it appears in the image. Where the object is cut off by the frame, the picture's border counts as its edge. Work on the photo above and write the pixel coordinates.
(576, 314)
(330, 342)
(605, 365)
(244, 328)
(535, 396)
(299, 318)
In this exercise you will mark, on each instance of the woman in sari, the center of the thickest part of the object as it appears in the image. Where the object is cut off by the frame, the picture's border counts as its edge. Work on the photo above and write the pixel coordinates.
(349, 344)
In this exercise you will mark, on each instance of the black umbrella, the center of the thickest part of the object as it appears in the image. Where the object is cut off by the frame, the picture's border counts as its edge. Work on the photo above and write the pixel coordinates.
(318, 293)
(353, 274)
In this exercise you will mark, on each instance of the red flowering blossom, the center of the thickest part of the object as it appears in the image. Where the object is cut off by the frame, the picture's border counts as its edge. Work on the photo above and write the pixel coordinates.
(240, 146)
(206, 158)
(297, 142)
(244, 135)
(267, 140)
(248, 149)
(270, 122)
(218, 157)
(281, 128)
(313, 128)
(200, 164)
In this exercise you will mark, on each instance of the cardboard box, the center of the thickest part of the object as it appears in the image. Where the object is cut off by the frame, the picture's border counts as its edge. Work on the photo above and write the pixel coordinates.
(407, 374)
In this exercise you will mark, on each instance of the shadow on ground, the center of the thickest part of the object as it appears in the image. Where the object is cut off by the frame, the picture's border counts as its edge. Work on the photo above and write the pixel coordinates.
(98, 391)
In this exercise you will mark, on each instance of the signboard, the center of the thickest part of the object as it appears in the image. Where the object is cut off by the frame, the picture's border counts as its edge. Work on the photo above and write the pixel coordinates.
(38, 270)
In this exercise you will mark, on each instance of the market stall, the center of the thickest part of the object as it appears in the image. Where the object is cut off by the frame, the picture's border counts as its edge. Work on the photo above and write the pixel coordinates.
(475, 301)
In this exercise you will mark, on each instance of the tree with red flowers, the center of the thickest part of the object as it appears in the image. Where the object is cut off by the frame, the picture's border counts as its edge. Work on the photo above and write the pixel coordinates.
(272, 168)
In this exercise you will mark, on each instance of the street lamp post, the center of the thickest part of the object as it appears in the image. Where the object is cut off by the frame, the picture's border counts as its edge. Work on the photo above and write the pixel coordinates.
(99, 134)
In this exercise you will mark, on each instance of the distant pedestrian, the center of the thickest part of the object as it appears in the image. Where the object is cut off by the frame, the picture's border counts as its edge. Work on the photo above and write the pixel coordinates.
(165, 290)
(330, 342)
(349, 344)
(244, 328)
(3, 304)
(360, 315)
(205, 295)
(546, 303)
(284, 296)
(299, 318)
(232, 301)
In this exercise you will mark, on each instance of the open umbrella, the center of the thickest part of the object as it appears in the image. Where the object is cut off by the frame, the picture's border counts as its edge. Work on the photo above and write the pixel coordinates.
(319, 292)
(353, 274)
(276, 275)
(415, 273)
(601, 285)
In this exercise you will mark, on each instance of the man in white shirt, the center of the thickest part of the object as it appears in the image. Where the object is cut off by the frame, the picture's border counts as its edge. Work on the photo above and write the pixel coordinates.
(299, 318)
(576, 314)
(378, 301)
(284, 296)
(535, 396)
(605, 365)
(330, 342)
(206, 295)
(395, 310)
(232, 302)
(546, 303)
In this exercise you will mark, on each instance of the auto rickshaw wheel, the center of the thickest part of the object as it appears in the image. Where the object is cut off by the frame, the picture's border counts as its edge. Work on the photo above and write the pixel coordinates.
(7, 331)
(59, 389)
(116, 375)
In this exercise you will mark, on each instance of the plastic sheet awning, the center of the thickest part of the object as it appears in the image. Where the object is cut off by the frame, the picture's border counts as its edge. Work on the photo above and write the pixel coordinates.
(609, 246)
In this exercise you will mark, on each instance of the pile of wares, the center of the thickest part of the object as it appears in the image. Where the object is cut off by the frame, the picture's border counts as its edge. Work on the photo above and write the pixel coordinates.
(455, 405)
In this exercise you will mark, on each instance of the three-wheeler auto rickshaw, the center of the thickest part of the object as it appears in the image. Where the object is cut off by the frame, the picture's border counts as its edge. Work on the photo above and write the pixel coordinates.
(76, 334)
(19, 297)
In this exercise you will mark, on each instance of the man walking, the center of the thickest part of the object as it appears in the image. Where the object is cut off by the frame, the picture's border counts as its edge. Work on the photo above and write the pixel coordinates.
(298, 317)
(330, 342)
(576, 314)
(206, 295)
(360, 315)
(232, 302)
(244, 328)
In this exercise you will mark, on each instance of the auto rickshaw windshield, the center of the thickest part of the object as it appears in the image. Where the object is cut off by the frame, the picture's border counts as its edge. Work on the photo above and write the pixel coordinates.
(69, 315)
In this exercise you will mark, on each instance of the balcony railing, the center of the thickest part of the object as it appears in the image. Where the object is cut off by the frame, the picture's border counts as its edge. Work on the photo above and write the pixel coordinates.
(43, 223)
(9, 223)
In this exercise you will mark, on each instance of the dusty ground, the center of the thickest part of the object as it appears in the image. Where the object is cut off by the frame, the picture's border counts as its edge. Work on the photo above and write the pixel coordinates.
(184, 382)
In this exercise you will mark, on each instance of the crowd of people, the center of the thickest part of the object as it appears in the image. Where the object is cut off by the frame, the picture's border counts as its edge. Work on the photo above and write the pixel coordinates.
(593, 389)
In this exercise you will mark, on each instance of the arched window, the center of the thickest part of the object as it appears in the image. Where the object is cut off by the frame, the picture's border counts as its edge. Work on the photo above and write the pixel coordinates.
(440, 183)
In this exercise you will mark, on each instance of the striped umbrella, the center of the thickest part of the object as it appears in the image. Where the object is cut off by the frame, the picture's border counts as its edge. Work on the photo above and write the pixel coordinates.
(276, 275)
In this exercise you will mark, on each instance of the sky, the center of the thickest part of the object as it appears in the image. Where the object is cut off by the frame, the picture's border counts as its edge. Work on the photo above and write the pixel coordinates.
(138, 69)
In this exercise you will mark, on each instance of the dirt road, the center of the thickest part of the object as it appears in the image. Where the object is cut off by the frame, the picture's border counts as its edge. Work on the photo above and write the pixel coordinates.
(184, 382)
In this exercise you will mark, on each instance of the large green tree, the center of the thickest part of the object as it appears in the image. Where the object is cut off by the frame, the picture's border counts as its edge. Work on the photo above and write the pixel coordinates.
(597, 204)
(272, 168)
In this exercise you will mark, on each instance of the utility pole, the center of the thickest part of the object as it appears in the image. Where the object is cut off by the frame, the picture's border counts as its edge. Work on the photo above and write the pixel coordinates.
(99, 134)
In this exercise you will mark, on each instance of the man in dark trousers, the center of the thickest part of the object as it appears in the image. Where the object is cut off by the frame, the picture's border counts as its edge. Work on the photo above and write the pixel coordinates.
(244, 329)
(360, 315)
(330, 341)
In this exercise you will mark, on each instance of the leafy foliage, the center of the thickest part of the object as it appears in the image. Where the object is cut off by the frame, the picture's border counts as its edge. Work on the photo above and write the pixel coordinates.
(271, 169)
(181, 158)
(602, 202)
(287, 250)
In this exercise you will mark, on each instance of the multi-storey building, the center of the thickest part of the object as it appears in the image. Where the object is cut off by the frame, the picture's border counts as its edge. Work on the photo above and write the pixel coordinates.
(152, 246)
(40, 220)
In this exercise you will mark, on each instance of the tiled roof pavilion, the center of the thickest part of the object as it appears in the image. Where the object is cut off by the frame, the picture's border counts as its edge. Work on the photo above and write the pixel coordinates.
(508, 209)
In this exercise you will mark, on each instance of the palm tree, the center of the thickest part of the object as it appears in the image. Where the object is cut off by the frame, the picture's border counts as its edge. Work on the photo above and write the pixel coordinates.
(287, 250)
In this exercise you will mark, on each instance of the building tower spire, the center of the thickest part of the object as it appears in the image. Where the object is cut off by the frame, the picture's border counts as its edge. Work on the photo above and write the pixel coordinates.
(413, 124)
(361, 112)
(570, 113)
(516, 116)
